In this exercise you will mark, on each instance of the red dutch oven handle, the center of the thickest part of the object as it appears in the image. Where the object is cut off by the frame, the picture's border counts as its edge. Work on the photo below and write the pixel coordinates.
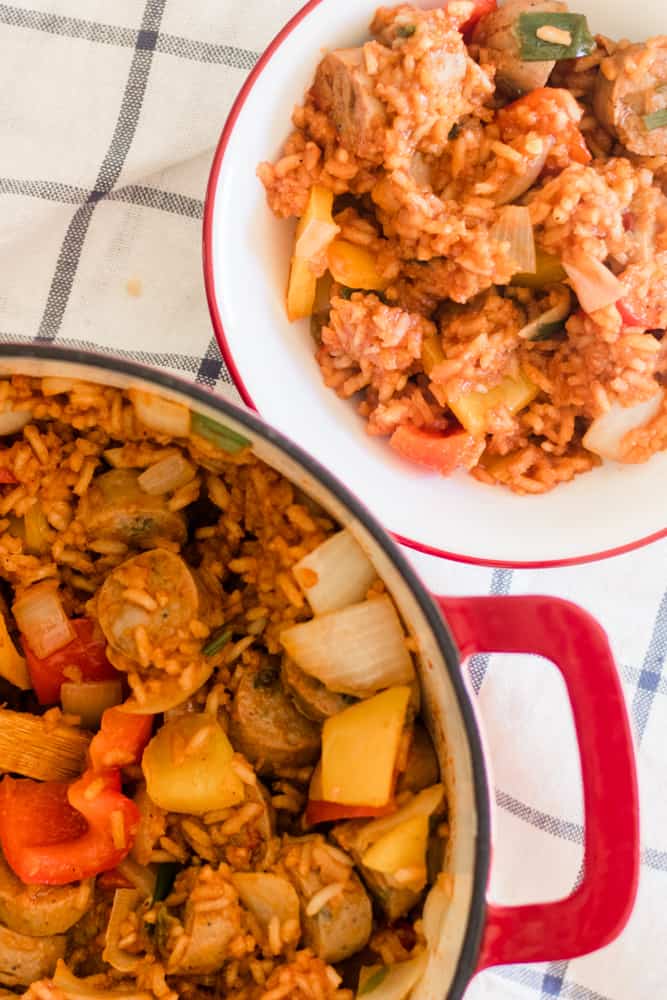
(596, 911)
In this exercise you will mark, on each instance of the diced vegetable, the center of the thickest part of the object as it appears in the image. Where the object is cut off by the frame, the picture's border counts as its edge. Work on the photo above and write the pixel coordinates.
(335, 574)
(443, 453)
(12, 665)
(571, 38)
(480, 9)
(140, 877)
(515, 228)
(30, 746)
(121, 739)
(188, 769)
(267, 896)
(125, 902)
(358, 650)
(370, 732)
(166, 873)
(85, 828)
(84, 659)
(657, 119)
(551, 320)
(168, 474)
(402, 848)
(606, 433)
(168, 692)
(160, 415)
(218, 434)
(548, 271)
(594, 284)
(314, 232)
(13, 421)
(424, 803)
(355, 266)
(41, 618)
(37, 531)
(638, 314)
(319, 811)
(473, 408)
(89, 699)
(217, 642)
(432, 352)
(301, 289)
(391, 982)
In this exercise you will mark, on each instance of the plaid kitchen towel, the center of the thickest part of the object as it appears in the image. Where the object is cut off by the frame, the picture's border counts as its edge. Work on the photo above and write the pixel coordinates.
(109, 113)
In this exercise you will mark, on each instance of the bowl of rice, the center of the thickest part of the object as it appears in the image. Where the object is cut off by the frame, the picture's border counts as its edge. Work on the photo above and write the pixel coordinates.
(202, 634)
(435, 252)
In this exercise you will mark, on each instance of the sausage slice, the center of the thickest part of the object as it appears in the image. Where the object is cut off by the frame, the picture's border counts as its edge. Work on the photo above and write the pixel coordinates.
(627, 89)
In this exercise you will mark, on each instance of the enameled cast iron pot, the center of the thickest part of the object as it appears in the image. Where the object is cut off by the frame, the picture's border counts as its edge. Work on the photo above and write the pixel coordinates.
(466, 932)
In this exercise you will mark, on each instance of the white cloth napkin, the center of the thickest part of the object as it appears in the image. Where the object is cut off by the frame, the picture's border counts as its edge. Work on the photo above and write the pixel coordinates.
(109, 114)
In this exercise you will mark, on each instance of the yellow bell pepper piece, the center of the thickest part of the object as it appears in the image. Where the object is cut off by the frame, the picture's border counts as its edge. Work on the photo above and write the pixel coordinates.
(432, 352)
(12, 665)
(472, 408)
(360, 746)
(548, 271)
(354, 266)
(401, 848)
(315, 229)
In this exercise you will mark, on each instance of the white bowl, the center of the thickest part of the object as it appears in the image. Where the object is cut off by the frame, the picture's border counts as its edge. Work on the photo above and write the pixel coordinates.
(246, 253)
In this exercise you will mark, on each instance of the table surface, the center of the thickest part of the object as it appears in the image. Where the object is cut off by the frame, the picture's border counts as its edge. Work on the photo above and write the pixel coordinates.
(109, 114)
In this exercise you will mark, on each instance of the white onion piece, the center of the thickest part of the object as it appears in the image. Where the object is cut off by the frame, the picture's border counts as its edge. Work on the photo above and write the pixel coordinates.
(358, 650)
(606, 433)
(341, 570)
(142, 877)
(594, 284)
(393, 982)
(90, 699)
(557, 313)
(168, 474)
(515, 227)
(161, 415)
(41, 618)
(424, 803)
(518, 184)
(13, 421)
(125, 901)
(315, 238)
(73, 988)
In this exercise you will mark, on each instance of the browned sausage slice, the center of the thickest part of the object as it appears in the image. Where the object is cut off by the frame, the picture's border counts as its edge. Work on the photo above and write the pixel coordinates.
(343, 90)
(115, 507)
(311, 697)
(41, 910)
(629, 86)
(394, 901)
(498, 35)
(267, 728)
(170, 603)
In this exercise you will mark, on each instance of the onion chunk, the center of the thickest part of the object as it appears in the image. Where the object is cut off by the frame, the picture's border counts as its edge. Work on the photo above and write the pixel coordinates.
(335, 574)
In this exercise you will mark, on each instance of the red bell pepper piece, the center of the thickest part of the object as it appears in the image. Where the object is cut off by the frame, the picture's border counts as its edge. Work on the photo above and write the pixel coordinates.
(7, 478)
(113, 880)
(59, 851)
(121, 739)
(635, 313)
(318, 811)
(480, 9)
(86, 652)
(441, 452)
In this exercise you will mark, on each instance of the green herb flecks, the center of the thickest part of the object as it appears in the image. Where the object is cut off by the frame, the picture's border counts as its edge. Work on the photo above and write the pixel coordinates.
(549, 330)
(222, 437)
(534, 49)
(657, 119)
(406, 30)
(373, 981)
(217, 641)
